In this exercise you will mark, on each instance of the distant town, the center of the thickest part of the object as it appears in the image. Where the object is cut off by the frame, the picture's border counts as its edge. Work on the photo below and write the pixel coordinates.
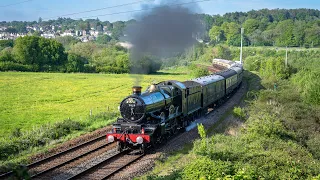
(51, 31)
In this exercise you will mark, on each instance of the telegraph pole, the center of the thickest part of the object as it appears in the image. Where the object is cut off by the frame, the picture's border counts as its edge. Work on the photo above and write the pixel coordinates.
(242, 29)
(286, 56)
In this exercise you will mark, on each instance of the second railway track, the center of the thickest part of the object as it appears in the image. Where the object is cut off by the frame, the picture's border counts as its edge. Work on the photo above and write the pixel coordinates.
(42, 168)
(107, 168)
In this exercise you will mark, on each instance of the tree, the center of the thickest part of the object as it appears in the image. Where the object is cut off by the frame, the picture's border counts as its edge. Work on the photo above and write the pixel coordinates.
(67, 41)
(6, 43)
(21, 28)
(40, 20)
(299, 33)
(85, 50)
(103, 39)
(284, 32)
(216, 34)
(250, 25)
(11, 30)
(230, 29)
(75, 63)
(6, 55)
(117, 30)
(43, 54)
(312, 35)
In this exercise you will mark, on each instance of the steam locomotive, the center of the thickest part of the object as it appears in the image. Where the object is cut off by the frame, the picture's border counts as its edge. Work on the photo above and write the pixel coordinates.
(150, 117)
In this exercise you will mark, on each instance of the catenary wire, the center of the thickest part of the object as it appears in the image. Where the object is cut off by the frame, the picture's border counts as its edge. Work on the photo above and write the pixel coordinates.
(15, 3)
(99, 9)
(139, 10)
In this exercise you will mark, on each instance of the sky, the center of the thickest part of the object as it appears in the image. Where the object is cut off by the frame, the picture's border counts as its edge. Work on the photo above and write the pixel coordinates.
(31, 10)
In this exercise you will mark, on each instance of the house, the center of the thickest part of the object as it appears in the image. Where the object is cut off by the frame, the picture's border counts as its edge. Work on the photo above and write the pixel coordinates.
(109, 33)
(94, 33)
(78, 33)
(84, 33)
(3, 28)
(68, 33)
(48, 35)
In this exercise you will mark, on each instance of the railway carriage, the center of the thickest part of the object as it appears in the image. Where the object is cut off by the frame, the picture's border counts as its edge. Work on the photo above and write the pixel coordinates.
(213, 89)
(231, 80)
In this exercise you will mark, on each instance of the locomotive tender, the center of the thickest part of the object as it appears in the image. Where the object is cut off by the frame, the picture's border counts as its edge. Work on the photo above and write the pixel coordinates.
(164, 108)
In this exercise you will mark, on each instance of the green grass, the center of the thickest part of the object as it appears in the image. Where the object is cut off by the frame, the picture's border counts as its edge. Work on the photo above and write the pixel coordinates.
(29, 100)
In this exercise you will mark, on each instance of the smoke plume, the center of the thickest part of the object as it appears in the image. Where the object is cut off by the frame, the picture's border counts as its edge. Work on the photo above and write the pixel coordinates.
(163, 31)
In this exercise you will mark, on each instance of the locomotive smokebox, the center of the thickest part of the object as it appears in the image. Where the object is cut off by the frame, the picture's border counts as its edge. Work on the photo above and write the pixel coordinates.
(136, 90)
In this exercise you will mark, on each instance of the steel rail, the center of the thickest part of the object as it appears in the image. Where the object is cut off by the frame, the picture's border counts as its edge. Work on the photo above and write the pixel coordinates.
(120, 168)
(37, 163)
(119, 154)
(70, 160)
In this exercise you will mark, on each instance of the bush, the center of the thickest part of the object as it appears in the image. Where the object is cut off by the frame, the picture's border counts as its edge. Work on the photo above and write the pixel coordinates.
(205, 168)
(309, 85)
(252, 63)
(89, 68)
(239, 113)
(75, 63)
(12, 66)
(314, 145)
(222, 52)
(198, 71)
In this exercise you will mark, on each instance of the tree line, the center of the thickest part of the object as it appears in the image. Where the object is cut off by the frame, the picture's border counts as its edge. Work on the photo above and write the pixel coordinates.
(278, 27)
(37, 54)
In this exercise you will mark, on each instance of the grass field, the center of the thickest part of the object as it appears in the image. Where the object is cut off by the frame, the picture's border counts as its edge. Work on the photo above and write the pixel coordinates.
(29, 100)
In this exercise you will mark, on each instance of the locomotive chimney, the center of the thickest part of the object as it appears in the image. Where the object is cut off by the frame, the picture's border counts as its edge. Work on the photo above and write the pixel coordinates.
(136, 90)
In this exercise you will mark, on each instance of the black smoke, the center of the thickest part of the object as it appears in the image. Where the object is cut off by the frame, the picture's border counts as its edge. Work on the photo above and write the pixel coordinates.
(163, 31)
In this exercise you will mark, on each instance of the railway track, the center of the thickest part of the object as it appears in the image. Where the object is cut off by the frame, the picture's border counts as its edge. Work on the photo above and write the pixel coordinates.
(56, 161)
(110, 166)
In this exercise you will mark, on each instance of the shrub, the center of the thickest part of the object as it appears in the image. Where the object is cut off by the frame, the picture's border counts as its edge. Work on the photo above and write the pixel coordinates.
(199, 71)
(252, 63)
(309, 85)
(205, 168)
(12, 66)
(263, 124)
(239, 113)
(314, 145)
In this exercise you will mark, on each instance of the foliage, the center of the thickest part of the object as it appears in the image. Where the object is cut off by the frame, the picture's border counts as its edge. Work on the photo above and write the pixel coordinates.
(252, 63)
(198, 71)
(205, 168)
(309, 85)
(67, 41)
(75, 63)
(12, 66)
(6, 55)
(201, 131)
(274, 68)
(85, 50)
(43, 54)
(5, 44)
(103, 39)
(239, 112)
(222, 52)
(280, 27)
